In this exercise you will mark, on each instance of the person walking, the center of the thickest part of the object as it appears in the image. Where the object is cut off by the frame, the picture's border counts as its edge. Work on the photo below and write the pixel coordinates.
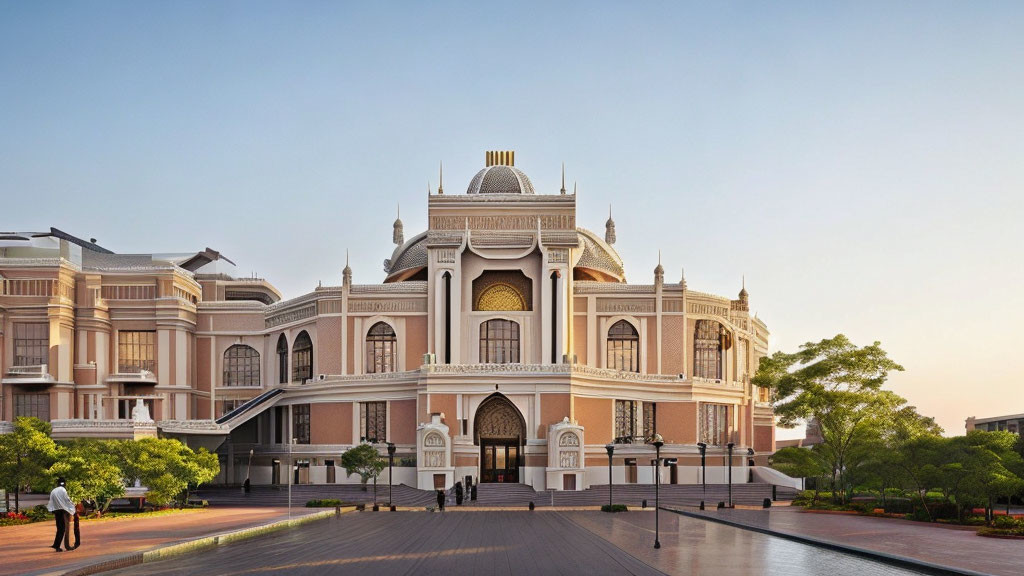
(62, 507)
(440, 500)
(458, 493)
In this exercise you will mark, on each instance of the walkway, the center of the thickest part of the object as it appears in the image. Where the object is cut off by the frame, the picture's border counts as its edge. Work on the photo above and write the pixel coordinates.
(541, 542)
(25, 549)
(937, 544)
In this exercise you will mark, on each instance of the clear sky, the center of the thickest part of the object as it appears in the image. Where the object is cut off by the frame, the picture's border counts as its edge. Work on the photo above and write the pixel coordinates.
(861, 164)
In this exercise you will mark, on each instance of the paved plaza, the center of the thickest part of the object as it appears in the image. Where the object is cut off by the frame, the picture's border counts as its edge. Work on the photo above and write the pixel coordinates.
(25, 549)
(952, 546)
(541, 542)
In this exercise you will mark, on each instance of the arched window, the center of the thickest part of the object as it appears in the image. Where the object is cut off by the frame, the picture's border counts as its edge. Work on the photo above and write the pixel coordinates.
(707, 350)
(381, 348)
(302, 358)
(282, 359)
(241, 366)
(623, 347)
(499, 341)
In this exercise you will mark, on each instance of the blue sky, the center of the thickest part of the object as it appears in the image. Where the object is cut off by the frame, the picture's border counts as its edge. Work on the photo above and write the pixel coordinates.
(860, 163)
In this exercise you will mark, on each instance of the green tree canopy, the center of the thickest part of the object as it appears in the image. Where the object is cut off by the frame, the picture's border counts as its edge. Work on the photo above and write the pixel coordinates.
(364, 460)
(166, 467)
(839, 386)
(25, 455)
(90, 469)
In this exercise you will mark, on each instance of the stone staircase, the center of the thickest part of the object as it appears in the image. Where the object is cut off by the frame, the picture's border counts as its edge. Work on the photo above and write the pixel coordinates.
(499, 495)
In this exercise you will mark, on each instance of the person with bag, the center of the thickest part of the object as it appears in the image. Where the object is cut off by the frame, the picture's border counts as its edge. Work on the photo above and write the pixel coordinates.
(62, 507)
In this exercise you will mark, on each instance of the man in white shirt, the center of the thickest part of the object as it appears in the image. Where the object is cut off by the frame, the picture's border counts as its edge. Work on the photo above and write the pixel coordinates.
(62, 507)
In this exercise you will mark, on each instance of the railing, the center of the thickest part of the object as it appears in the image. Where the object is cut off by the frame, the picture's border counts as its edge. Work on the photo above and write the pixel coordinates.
(142, 376)
(35, 371)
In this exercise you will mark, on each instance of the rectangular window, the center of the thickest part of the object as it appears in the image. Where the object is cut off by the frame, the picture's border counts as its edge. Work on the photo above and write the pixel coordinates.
(36, 405)
(650, 420)
(135, 351)
(300, 423)
(373, 422)
(31, 344)
(715, 425)
(625, 421)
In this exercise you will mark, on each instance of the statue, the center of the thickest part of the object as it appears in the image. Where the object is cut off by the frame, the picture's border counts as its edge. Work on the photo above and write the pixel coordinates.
(140, 413)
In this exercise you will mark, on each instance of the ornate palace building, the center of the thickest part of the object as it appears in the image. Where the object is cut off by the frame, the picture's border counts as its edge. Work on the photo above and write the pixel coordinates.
(504, 343)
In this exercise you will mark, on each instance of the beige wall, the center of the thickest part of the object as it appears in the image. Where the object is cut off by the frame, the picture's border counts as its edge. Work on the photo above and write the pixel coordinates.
(579, 340)
(328, 346)
(597, 416)
(403, 421)
(677, 422)
(445, 403)
(416, 341)
(330, 423)
(672, 339)
(553, 407)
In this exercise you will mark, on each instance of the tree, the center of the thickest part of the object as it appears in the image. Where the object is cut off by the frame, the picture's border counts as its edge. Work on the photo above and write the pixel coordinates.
(166, 467)
(838, 385)
(364, 460)
(801, 463)
(25, 455)
(91, 471)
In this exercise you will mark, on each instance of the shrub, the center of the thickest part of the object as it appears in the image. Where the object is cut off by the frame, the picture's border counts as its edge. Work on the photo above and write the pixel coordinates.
(325, 503)
(38, 513)
(13, 519)
(1007, 523)
(614, 508)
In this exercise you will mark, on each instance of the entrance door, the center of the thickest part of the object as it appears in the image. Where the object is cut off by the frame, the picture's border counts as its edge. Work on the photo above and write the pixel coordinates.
(499, 461)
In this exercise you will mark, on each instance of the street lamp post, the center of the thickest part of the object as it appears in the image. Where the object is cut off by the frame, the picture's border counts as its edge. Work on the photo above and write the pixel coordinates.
(291, 476)
(730, 445)
(391, 465)
(703, 472)
(610, 448)
(248, 468)
(658, 442)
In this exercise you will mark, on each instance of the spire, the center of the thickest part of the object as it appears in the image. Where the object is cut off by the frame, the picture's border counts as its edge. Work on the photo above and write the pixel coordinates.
(428, 187)
(440, 180)
(573, 187)
(682, 279)
(609, 228)
(346, 274)
(563, 178)
(743, 291)
(659, 272)
(398, 232)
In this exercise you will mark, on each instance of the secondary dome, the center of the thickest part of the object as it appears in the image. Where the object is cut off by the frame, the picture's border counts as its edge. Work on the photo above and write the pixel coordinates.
(500, 176)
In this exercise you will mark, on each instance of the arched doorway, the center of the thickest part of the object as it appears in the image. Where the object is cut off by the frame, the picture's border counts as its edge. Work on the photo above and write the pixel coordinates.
(500, 432)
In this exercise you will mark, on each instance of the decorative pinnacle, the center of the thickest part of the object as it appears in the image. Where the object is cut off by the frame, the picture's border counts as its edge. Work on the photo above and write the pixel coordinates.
(440, 180)
(563, 178)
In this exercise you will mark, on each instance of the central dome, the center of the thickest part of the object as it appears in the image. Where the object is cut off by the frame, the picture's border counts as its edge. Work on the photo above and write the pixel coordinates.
(500, 180)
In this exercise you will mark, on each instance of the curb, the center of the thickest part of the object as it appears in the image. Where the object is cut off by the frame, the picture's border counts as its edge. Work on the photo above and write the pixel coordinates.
(201, 543)
(883, 557)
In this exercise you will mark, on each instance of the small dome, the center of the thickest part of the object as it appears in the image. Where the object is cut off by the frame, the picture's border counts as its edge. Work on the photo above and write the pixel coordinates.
(500, 179)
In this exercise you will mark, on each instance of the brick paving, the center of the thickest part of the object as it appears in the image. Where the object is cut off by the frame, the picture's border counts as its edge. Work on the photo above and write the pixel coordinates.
(506, 542)
(25, 549)
(943, 545)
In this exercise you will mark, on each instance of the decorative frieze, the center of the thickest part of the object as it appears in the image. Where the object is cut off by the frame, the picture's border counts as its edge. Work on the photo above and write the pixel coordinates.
(379, 306)
(329, 307)
(558, 256)
(668, 305)
(709, 309)
(619, 306)
(446, 256)
(290, 316)
(547, 222)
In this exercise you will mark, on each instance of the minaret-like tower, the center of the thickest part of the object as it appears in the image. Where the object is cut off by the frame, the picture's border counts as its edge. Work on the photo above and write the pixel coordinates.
(440, 179)
(346, 273)
(659, 273)
(609, 229)
(398, 235)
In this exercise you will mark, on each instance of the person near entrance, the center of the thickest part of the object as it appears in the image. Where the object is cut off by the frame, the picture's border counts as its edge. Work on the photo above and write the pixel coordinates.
(458, 493)
(63, 508)
(440, 500)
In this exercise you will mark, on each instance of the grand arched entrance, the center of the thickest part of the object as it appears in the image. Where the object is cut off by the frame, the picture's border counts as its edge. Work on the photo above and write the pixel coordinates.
(500, 432)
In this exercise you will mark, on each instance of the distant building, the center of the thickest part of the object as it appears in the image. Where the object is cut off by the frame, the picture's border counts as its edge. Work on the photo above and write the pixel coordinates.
(503, 343)
(997, 423)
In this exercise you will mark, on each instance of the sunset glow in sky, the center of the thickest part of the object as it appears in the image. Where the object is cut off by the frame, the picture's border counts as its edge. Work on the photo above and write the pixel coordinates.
(860, 164)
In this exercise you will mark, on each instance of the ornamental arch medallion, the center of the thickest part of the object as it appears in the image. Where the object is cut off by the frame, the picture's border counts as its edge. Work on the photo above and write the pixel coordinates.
(497, 418)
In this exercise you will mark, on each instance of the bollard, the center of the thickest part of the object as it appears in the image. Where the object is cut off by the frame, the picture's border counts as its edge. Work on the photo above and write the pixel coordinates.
(721, 505)
(393, 508)
(767, 503)
(643, 504)
(531, 506)
(376, 508)
(701, 504)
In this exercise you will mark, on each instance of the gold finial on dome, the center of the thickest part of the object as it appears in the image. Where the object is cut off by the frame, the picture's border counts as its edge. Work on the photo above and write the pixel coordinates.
(501, 158)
